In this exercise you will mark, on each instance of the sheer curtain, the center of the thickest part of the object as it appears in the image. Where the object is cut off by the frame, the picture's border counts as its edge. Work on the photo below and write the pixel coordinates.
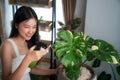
(2, 20)
(2, 31)
(68, 10)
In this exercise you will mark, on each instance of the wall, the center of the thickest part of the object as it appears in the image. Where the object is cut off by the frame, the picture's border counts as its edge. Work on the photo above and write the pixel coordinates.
(103, 21)
(80, 12)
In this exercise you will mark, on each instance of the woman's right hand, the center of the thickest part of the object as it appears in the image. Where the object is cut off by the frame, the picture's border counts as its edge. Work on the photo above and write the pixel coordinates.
(35, 55)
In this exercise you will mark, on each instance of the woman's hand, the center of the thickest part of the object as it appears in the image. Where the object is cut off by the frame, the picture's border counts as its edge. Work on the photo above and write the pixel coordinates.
(59, 68)
(35, 55)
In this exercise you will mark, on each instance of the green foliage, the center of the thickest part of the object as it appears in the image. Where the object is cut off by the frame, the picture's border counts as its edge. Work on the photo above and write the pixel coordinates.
(72, 72)
(33, 64)
(75, 23)
(73, 48)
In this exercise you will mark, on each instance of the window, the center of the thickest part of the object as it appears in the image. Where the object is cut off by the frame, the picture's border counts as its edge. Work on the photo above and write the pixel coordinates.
(46, 14)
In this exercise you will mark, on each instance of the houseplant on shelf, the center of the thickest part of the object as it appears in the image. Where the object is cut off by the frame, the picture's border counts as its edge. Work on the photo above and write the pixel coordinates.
(74, 49)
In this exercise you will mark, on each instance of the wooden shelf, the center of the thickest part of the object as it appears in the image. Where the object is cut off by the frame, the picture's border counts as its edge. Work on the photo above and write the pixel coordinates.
(35, 3)
(45, 27)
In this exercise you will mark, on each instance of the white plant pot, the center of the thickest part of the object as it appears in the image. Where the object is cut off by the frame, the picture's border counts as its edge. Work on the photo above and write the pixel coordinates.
(87, 73)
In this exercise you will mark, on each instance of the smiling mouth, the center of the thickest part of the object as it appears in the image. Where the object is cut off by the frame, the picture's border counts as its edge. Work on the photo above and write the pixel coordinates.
(28, 35)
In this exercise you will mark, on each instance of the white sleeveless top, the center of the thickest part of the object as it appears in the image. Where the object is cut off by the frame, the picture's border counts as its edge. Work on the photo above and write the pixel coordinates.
(17, 61)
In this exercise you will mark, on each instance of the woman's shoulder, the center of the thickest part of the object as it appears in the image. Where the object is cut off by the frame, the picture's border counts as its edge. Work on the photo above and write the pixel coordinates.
(6, 43)
(6, 48)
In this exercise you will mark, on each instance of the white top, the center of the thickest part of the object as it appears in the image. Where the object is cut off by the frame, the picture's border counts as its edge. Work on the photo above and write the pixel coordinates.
(17, 61)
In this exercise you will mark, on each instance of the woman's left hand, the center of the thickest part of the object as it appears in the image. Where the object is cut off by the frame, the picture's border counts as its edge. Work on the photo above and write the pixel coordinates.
(59, 68)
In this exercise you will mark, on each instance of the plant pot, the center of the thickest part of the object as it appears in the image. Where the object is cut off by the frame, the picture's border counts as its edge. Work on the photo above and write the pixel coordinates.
(87, 73)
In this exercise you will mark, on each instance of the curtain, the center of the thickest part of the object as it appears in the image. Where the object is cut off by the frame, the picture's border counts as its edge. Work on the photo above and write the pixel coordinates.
(68, 10)
(2, 20)
(0, 29)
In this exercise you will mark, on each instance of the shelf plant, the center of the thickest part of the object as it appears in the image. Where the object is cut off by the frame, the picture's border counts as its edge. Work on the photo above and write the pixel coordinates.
(74, 49)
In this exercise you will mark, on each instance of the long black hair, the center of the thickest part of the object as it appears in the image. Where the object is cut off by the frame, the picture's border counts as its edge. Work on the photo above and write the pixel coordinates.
(22, 14)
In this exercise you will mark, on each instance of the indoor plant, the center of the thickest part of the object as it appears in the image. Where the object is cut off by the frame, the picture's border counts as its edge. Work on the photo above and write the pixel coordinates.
(73, 49)
(75, 23)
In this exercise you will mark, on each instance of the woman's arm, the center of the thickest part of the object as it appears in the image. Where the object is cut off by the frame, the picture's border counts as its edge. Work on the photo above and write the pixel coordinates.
(6, 59)
(39, 71)
(7, 56)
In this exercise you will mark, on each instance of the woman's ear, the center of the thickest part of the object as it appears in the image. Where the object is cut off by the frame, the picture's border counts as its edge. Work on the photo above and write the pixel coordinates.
(16, 26)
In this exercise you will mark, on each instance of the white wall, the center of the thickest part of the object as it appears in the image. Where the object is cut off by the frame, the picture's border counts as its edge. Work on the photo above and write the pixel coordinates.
(103, 21)
(80, 12)
(80, 8)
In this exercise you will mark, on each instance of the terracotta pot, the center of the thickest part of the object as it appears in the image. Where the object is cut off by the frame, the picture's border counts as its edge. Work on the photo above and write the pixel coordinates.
(87, 73)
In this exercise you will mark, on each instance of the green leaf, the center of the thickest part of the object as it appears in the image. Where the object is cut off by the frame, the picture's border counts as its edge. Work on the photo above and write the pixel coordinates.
(60, 52)
(106, 49)
(61, 23)
(69, 59)
(66, 36)
(79, 54)
(33, 64)
(61, 44)
(90, 56)
(89, 41)
(80, 43)
(73, 72)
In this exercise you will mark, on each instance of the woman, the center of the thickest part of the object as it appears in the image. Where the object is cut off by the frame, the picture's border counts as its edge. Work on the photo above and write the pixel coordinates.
(18, 51)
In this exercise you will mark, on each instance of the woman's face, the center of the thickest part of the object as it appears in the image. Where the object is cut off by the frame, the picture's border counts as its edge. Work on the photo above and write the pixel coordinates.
(27, 28)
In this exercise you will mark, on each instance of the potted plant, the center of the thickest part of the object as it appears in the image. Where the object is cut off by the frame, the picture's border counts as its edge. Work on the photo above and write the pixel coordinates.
(75, 23)
(74, 49)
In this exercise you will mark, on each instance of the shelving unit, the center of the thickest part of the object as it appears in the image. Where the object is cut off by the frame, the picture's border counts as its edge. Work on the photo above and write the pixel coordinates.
(47, 26)
(47, 4)
(33, 3)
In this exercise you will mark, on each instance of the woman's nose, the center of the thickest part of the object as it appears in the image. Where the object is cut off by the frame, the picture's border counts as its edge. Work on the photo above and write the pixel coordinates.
(31, 30)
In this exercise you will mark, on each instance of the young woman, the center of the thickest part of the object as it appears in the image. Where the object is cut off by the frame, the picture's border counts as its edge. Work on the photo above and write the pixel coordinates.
(18, 51)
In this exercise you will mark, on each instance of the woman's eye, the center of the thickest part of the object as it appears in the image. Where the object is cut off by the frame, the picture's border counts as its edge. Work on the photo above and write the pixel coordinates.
(35, 27)
(26, 26)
